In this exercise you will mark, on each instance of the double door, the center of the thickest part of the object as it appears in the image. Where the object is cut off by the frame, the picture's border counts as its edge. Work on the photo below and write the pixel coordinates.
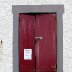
(37, 43)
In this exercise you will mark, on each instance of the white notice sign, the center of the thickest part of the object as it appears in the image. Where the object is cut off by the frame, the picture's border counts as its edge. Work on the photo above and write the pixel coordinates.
(27, 54)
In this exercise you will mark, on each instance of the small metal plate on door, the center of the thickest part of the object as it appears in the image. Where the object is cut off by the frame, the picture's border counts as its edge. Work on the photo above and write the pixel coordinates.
(39, 38)
(27, 54)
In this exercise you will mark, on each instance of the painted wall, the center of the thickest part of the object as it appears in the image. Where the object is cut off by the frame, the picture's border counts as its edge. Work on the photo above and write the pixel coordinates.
(6, 31)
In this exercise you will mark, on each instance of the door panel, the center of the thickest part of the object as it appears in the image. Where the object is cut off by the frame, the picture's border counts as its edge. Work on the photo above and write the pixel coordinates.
(37, 33)
(46, 47)
(26, 41)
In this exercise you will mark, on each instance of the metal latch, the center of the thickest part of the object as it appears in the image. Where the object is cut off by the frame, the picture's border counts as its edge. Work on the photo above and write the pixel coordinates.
(36, 39)
(39, 38)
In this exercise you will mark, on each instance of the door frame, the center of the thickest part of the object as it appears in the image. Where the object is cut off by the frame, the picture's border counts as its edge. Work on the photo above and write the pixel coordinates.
(58, 9)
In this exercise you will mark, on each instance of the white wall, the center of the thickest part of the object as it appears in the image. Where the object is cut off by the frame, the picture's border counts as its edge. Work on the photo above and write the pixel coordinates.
(6, 31)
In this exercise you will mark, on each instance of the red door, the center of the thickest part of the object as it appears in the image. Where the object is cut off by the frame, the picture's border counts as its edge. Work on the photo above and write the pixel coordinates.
(26, 43)
(37, 43)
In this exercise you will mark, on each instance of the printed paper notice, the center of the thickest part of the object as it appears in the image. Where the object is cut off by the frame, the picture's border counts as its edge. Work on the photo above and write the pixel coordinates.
(27, 54)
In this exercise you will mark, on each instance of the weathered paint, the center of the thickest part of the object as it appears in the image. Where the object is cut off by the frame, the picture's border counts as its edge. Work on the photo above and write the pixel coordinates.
(43, 50)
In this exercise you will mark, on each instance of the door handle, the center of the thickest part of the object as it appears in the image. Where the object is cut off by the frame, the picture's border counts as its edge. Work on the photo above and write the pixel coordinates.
(36, 39)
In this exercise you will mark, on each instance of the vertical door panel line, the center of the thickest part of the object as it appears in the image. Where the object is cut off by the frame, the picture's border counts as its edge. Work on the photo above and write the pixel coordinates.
(38, 45)
(34, 41)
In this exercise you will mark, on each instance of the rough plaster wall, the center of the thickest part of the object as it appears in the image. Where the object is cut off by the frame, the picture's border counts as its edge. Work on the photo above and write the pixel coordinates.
(6, 31)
